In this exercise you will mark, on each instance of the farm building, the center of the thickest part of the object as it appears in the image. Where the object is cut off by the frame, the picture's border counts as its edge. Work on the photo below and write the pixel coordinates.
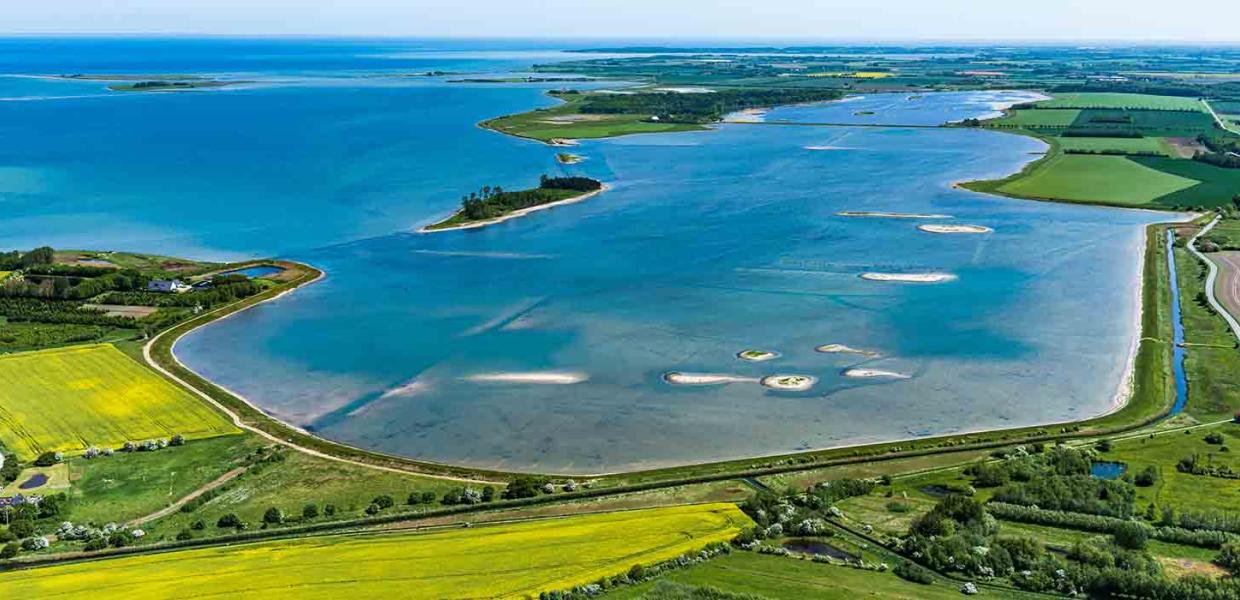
(167, 286)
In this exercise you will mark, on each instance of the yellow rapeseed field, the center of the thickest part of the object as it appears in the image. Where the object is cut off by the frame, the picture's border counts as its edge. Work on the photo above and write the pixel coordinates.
(515, 560)
(69, 399)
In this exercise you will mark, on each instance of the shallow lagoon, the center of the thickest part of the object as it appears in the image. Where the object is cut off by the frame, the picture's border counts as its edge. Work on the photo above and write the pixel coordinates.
(710, 243)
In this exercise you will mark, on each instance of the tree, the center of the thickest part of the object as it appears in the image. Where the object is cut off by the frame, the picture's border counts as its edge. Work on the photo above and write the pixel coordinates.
(415, 498)
(428, 497)
(384, 501)
(488, 493)
(373, 509)
(46, 459)
(329, 510)
(1131, 535)
(1229, 558)
(10, 550)
(309, 511)
(273, 516)
(229, 520)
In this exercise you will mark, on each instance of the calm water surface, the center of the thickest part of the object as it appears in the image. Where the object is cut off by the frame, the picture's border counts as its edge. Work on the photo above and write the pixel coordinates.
(709, 243)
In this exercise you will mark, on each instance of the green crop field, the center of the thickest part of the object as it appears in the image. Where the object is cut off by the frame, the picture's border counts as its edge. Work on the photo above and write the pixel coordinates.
(1128, 145)
(1218, 185)
(503, 561)
(1040, 118)
(781, 578)
(1117, 100)
(1150, 123)
(1103, 179)
(69, 399)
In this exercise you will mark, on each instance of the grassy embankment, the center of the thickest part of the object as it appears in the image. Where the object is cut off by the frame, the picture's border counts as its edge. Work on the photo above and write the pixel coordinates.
(1116, 150)
(508, 560)
(67, 400)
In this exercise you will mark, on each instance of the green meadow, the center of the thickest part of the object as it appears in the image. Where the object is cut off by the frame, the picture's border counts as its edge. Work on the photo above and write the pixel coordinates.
(1095, 179)
(1121, 100)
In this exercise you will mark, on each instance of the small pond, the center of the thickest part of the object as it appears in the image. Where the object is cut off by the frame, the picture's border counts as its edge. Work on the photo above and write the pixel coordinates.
(818, 547)
(1107, 470)
(37, 480)
(254, 272)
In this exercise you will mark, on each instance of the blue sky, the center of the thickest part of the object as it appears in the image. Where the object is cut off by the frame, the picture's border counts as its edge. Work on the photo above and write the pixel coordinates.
(803, 20)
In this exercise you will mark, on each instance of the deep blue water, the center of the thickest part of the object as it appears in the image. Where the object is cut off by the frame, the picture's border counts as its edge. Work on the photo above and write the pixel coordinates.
(707, 244)
(259, 271)
(1107, 470)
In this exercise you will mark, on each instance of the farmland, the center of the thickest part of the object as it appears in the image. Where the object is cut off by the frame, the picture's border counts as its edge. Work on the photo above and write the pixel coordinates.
(1103, 145)
(70, 399)
(1104, 179)
(1121, 100)
(501, 561)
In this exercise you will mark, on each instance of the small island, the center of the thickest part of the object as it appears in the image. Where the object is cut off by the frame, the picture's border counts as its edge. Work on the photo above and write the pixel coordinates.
(954, 229)
(789, 383)
(566, 158)
(163, 85)
(494, 204)
(757, 355)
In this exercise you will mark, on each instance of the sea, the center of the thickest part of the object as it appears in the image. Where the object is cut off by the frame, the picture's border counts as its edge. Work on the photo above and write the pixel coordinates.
(544, 343)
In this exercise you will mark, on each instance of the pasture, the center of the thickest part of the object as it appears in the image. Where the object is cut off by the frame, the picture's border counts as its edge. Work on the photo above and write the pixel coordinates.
(1038, 118)
(515, 560)
(1121, 100)
(69, 399)
(1125, 145)
(1216, 188)
(1098, 179)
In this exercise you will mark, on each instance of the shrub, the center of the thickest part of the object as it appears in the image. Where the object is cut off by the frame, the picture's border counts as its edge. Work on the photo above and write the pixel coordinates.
(384, 501)
(184, 534)
(273, 516)
(1229, 558)
(46, 459)
(1131, 535)
(309, 511)
(9, 550)
(228, 520)
(1215, 438)
(914, 573)
(1147, 477)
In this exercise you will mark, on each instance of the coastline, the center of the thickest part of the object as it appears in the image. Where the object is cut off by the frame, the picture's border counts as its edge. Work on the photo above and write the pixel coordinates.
(512, 215)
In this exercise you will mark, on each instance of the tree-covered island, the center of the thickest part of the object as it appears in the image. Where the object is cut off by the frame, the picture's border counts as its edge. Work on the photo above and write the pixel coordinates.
(495, 204)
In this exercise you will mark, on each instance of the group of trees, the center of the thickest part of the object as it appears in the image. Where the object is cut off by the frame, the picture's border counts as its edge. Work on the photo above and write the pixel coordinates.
(703, 107)
(491, 202)
(14, 260)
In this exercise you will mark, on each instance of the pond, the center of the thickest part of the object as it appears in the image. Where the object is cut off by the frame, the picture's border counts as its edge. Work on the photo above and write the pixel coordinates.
(818, 547)
(1107, 470)
(36, 481)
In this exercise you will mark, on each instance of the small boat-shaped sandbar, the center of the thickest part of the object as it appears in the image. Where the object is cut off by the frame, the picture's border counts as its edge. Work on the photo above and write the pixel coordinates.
(874, 373)
(889, 215)
(757, 355)
(789, 383)
(536, 377)
(677, 378)
(936, 228)
(909, 277)
(842, 349)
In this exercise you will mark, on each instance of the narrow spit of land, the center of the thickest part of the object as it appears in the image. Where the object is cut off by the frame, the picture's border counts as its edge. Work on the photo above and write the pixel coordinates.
(495, 205)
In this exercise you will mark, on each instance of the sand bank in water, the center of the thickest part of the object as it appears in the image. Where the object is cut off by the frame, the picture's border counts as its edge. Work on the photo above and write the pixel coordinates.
(954, 229)
(909, 277)
(757, 355)
(842, 349)
(538, 377)
(676, 378)
(792, 383)
(888, 215)
(872, 373)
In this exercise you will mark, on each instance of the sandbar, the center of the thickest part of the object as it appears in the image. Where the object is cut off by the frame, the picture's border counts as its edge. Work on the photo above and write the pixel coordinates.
(757, 355)
(677, 378)
(888, 215)
(871, 373)
(842, 349)
(539, 377)
(936, 228)
(909, 277)
(791, 383)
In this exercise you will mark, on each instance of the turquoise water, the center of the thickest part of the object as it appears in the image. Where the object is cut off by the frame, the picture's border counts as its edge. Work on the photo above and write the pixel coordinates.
(708, 243)
(259, 271)
(1107, 470)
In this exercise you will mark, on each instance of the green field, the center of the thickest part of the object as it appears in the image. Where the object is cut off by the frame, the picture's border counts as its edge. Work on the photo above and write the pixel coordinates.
(1102, 179)
(500, 561)
(564, 122)
(1126, 145)
(1212, 362)
(1185, 490)
(1218, 185)
(1117, 100)
(1039, 118)
(782, 578)
(72, 398)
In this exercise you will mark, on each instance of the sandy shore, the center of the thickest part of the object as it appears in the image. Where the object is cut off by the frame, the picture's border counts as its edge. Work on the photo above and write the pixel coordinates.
(888, 215)
(676, 378)
(757, 355)
(873, 373)
(748, 115)
(516, 213)
(538, 377)
(909, 277)
(954, 229)
(842, 349)
(789, 383)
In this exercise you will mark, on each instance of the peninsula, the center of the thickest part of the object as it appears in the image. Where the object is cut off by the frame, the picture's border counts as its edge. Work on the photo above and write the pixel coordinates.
(494, 204)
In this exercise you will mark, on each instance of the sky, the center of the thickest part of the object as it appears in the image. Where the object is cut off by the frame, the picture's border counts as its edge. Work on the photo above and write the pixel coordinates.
(799, 20)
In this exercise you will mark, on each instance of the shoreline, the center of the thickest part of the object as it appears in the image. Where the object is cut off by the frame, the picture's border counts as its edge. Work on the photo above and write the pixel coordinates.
(425, 229)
